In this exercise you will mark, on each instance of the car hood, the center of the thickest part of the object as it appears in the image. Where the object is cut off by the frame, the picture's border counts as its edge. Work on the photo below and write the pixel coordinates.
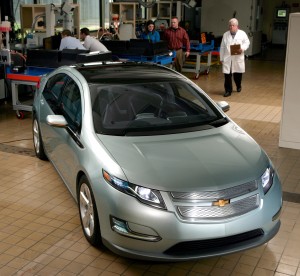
(211, 159)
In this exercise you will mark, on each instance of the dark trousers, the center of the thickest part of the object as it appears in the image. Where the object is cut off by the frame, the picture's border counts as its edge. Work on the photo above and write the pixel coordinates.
(237, 77)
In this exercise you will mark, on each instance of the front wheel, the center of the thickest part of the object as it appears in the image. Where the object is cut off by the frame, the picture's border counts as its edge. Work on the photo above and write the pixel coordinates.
(37, 140)
(88, 212)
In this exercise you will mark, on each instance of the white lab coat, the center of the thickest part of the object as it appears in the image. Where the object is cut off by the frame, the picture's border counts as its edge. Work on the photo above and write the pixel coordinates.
(234, 62)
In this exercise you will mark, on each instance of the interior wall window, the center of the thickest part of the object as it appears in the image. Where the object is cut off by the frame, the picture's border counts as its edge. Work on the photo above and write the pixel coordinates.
(89, 11)
(89, 14)
(55, 2)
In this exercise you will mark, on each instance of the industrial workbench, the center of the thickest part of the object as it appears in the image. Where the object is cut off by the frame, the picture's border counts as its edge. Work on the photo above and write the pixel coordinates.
(197, 66)
(31, 76)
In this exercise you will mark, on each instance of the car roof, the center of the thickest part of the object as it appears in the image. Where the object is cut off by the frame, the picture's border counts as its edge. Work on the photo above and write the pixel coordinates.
(124, 72)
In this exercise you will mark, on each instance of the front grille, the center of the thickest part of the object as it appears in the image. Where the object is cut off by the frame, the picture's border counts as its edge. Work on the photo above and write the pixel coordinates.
(207, 246)
(236, 208)
(215, 195)
(216, 205)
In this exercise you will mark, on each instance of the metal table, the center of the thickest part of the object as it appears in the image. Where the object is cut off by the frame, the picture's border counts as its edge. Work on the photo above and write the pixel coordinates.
(31, 77)
(199, 50)
(197, 66)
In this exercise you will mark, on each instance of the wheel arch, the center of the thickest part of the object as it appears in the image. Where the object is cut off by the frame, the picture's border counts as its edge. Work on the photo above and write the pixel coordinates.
(79, 175)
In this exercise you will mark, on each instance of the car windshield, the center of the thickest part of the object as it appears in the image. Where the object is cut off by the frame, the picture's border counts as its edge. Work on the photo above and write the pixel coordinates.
(151, 108)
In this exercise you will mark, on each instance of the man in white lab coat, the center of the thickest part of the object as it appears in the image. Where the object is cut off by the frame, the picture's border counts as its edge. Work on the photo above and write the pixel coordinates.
(234, 43)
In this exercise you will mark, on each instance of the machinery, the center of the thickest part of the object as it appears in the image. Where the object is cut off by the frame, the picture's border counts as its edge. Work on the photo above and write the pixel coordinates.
(5, 28)
(280, 25)
(5, 57)
(54, 16)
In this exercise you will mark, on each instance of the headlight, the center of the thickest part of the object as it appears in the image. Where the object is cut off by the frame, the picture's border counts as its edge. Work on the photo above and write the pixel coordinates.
(267, 179)
(143, 194)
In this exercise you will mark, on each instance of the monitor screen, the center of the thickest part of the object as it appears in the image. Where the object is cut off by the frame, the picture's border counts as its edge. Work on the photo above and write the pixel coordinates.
(52, 42)
(281, 13)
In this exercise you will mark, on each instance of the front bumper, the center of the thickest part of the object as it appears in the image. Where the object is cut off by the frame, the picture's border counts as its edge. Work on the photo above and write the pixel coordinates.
(180, 240)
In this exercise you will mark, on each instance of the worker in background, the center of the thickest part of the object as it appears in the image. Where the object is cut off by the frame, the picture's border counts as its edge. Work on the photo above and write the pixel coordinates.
(104, 34)
(177, 38)
(150, 33)
(91, 43)
(69, 42)
(233, 46)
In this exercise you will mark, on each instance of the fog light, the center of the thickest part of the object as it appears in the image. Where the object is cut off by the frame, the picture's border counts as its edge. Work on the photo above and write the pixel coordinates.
(121, 227)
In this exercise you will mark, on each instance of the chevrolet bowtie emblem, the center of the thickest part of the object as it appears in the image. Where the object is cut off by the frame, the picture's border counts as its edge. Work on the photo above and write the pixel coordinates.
(221, 202)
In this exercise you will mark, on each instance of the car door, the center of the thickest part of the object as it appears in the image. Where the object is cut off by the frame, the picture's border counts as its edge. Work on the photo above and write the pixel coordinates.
(63, 144)
(50, 105)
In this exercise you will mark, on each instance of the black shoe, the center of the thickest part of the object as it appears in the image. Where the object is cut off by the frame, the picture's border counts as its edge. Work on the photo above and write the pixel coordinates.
(227, 94)
(239, 89)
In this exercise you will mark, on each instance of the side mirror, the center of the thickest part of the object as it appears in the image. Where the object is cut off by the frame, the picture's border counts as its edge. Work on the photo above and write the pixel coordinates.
(223, 105)
(57, 121)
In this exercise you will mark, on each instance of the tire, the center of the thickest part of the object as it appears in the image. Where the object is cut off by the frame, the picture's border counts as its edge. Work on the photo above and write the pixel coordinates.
(88, 212)
(37, 140)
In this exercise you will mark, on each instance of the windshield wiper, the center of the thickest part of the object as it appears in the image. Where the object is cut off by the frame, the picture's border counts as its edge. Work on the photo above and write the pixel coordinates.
(219, 122)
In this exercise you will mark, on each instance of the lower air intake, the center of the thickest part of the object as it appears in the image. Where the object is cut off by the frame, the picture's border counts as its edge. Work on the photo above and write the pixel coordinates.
(212, 245)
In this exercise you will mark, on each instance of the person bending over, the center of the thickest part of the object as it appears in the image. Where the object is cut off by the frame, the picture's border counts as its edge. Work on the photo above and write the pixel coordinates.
(69, 42)
(91, 43)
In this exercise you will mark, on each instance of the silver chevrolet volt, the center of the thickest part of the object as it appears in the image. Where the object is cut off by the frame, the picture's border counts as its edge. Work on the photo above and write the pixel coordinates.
(158, 170)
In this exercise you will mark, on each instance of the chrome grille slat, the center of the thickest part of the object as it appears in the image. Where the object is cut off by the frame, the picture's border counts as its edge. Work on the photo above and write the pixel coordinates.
(236, 208)
(215, 195)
